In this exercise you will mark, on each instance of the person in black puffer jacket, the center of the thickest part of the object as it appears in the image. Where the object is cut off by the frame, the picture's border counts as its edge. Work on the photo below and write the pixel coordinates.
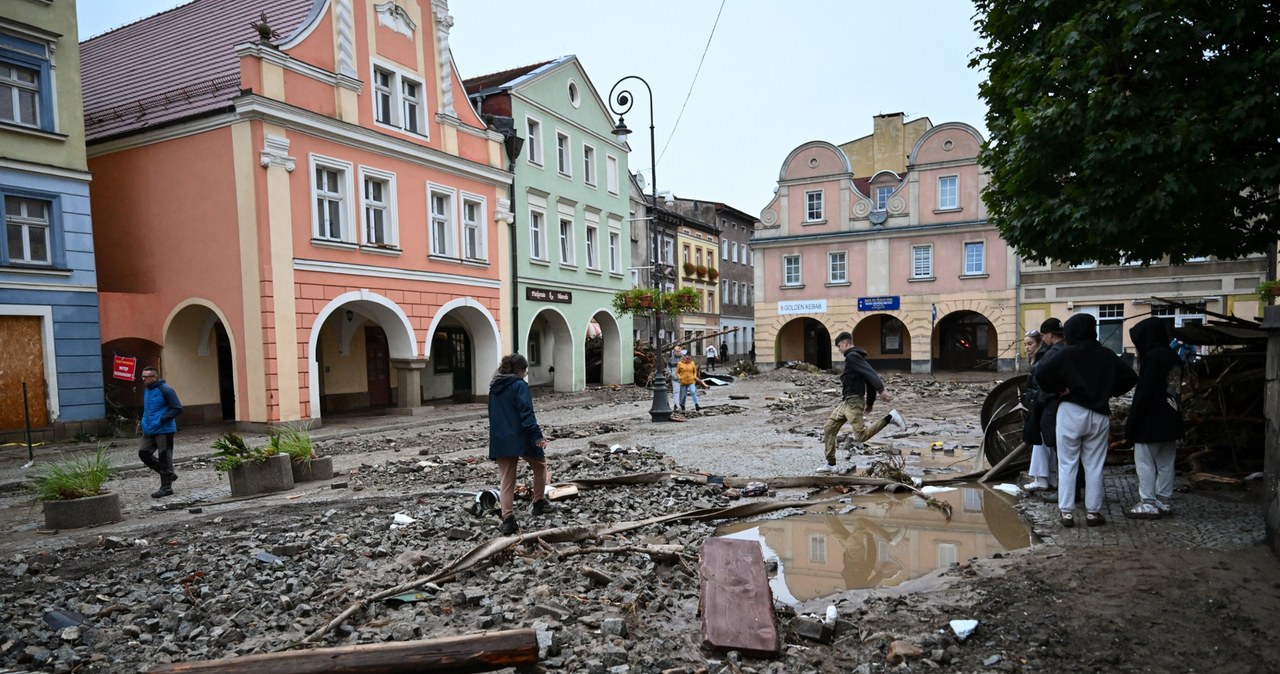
(1087, 375)
(1155, 420)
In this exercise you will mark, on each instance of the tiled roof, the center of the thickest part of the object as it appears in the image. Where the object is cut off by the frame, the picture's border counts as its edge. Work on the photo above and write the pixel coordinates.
(177, 64)
(477, 84)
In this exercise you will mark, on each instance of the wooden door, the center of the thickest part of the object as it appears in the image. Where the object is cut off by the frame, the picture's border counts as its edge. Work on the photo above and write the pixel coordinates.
(22, 360)
(378, 366)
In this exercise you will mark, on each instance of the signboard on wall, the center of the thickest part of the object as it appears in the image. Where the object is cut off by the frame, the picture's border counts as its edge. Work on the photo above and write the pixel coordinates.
(884, 303)
(124, 367)
(545, 295)
(802, 307)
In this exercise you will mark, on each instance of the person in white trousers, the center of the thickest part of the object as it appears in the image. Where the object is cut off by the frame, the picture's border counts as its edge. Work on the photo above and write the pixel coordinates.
(1155, 419)
(1087, 375)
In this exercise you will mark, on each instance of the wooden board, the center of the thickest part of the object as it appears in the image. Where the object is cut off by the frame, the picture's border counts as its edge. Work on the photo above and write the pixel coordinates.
(22, 360)
(485, 652)
(735, 599)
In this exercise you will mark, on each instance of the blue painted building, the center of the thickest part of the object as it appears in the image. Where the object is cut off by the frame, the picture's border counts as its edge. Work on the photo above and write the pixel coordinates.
(49, 322)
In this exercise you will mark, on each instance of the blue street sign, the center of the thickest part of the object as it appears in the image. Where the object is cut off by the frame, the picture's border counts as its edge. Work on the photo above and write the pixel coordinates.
(889, 303)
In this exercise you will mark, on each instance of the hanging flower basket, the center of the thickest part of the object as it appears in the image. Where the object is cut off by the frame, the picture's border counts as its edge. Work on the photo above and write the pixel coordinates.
(690, 269)
(701, 270)
(713, 273)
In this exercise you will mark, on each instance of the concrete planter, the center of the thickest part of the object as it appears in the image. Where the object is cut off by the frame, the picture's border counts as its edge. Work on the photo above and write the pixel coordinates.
(273, 475)
(82, 512)
(317, 469)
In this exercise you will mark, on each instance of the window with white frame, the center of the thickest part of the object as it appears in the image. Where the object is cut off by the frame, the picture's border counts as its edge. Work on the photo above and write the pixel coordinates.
(562, 154)
(398, 100)
(948, 192)
(442, 224)
(611, 173)
(331, 200)
(533, 139)
(882, 197)
(378, 207)
(734, 293)
(813, 206)
(473, 231)
(28, 231)
(791, 270)
(922, 261)
(975, 258)
(733, 252)
(26, 83)
(1111, 326)
(566, 241)
(817, 549)
(537, 235)
(615, 252)
(724, 250)
(838, 267)
(589, 165)
(668, 254)
(593, 247)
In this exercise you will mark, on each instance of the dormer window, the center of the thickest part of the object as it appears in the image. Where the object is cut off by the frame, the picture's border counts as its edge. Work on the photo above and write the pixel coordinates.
(882, 197)
(398, 100)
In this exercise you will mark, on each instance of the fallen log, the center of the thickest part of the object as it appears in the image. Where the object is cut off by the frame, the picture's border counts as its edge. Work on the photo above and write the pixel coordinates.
(472, 653)
(662, 553)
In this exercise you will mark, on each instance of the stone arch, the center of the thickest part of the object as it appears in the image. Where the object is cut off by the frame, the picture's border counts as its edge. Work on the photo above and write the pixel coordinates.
(364, 304)
(483, 330)
(555, 344)
(886, 337)
(207, 379)
(615, 348)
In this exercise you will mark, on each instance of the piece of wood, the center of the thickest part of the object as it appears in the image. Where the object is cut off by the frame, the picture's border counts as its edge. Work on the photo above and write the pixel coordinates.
(735, 599)
(485, 652)
(1005, 461)
(562, 492)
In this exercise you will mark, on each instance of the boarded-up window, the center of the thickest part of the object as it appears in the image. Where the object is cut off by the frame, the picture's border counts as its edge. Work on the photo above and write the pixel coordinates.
(22, 360)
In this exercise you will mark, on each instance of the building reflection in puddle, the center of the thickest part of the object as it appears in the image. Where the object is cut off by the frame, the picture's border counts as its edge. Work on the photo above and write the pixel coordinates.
(887, 540)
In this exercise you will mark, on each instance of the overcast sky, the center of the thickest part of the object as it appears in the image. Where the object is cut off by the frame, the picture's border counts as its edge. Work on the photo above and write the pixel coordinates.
(776, 74)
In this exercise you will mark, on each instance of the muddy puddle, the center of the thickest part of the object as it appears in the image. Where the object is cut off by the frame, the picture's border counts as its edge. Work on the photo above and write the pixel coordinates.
(884, 540)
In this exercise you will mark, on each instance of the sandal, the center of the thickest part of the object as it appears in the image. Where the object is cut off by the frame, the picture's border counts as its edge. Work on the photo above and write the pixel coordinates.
(1094, 519)
(1068, 520)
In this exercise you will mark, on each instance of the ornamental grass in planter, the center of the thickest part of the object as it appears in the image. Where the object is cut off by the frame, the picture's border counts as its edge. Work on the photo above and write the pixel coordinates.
(296, 444)
(73, 495)
(251, 470)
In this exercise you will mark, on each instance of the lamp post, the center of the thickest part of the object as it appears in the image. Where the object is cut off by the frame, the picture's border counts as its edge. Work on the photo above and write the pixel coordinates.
(620, 102)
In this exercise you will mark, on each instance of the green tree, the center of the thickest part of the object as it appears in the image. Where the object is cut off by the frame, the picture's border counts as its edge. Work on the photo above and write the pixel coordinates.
(1132, 129)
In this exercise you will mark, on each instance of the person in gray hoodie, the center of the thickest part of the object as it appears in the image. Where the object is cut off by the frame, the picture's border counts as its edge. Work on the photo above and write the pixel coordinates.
(1155, 419)
(1086, 375)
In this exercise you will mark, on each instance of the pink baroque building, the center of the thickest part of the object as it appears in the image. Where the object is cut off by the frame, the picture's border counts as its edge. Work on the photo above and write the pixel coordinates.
(298, 208)
(886, 237)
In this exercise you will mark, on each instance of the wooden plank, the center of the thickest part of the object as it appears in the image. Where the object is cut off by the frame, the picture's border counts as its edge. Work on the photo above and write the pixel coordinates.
(470, 653)
(564, 491)
(735, 599)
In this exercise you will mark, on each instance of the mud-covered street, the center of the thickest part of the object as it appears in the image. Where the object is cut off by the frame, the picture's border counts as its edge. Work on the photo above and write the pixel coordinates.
(201, 576)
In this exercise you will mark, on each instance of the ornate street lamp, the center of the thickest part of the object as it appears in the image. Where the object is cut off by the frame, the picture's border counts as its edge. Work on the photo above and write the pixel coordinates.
(620, 103)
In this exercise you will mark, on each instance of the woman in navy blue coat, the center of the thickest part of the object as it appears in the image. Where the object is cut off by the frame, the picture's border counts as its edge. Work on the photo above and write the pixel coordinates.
(514, 433)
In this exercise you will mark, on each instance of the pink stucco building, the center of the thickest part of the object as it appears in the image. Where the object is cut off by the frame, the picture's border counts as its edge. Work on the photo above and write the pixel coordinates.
(297, 209)
(886, 237)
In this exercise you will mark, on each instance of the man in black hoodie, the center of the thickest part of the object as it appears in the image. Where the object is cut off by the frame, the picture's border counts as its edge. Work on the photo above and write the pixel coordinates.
(859, 386)
(1155, 420)
(1087, 375)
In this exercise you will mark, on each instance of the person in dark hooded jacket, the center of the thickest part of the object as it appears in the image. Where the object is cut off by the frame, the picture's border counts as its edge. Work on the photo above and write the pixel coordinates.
(1155, 419)
(859, 388)
(514, 433)
(1086, 375)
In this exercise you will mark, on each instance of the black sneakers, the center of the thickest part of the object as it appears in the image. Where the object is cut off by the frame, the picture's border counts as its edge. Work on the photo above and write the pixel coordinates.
(508, 526)
(543, 507)
(162, 492)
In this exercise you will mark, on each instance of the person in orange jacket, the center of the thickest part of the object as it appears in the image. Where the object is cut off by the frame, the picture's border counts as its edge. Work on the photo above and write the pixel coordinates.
(687, 372)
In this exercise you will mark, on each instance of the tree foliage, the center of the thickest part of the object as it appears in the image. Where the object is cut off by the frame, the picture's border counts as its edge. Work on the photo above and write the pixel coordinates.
(1131, 129)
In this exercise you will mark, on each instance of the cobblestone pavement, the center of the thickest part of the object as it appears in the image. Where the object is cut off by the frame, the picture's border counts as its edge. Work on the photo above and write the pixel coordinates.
(1202, 518)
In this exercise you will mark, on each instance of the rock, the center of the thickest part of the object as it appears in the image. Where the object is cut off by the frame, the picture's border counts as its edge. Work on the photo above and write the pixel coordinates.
(70, 634)
(613, 627)
(813, 630)
(901, 651)
(993, 660)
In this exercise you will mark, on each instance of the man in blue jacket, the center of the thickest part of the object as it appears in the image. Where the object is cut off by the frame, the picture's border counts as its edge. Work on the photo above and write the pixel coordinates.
(160, 410)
